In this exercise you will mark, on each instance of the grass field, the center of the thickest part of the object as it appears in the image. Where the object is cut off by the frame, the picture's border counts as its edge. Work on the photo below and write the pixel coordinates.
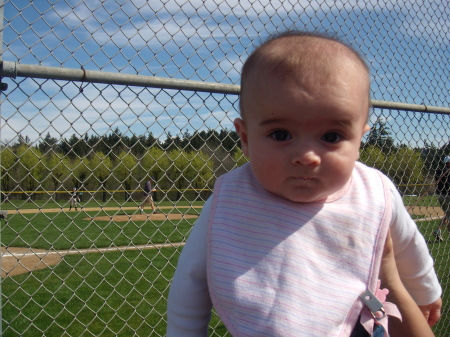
(117, 293)
(75, 230)
(49, 204)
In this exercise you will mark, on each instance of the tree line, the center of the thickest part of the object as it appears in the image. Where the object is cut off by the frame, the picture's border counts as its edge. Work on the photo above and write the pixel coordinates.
(116, 142)
(118, 162)
(411, 168)
(185, 162)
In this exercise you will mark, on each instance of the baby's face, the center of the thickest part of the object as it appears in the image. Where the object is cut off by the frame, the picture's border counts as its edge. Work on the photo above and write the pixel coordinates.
(303, 141)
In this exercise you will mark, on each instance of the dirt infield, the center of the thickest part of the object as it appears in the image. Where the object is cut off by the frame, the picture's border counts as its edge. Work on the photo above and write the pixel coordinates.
(426, 211)
(15, 261)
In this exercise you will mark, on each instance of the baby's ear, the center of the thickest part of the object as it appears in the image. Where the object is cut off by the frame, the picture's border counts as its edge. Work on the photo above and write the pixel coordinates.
(366, 129)
(241, 130)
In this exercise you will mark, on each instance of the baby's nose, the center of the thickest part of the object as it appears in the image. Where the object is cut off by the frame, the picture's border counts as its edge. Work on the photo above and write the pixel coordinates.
(305, 156)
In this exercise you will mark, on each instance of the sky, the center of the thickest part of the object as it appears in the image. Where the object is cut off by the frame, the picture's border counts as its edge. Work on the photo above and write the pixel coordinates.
(406, 44)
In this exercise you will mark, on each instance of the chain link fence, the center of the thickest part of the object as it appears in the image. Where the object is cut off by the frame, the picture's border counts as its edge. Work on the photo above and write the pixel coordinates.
(102, 96)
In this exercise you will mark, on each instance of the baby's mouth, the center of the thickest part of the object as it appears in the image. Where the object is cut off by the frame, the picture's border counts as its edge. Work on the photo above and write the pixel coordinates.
(303, 179)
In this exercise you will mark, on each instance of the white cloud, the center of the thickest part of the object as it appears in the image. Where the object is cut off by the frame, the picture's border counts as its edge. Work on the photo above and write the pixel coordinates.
(206, 40)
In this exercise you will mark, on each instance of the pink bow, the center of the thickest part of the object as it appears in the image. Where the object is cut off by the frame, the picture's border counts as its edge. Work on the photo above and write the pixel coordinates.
(368, 319)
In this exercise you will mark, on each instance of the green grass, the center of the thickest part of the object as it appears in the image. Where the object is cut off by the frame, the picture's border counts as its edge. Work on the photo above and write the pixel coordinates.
(428, 200)
(118, 293)
(440, 252)
(47, 204)
(113, 294)
(76, 230)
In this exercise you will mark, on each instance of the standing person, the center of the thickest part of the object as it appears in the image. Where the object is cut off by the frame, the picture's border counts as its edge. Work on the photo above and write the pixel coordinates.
(148, 198)
(288, 242)
(443, 190)
(74, 199)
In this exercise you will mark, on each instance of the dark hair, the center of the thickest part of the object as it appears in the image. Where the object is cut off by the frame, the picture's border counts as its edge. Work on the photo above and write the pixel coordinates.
(288, 54)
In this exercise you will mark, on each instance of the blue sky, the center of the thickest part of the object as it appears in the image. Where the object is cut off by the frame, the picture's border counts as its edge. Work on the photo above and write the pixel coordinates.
(406, 44)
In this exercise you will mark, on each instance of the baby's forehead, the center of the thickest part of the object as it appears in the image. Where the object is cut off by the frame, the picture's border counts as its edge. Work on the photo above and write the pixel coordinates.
(308, 61)
(269, 87)
(305, 58)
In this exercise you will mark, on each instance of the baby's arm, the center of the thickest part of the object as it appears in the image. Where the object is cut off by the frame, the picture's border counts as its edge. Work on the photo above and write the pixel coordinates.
(414, 262)
(189, 304)
(413, 323)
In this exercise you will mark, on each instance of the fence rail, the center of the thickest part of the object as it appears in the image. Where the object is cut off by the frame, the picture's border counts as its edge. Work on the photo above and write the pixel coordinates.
(14, 70)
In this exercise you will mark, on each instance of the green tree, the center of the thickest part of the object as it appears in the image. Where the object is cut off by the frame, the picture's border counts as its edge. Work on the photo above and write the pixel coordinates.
(199, 171)
(155, 163)
(405, 167)
(80, 171)
(380, 135)
(58, 167)
(406, 170)
(432, 157)
(30, 167)
(7, 161)
(125, 171)
(100, 165)
(373, 156)
(75, 147)
(47, 144)
(177, 170)
(239, 157)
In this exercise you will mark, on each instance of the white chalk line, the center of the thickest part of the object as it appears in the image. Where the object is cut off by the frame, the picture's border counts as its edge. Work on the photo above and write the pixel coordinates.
(91, 250)
(121, 249)
(428, 219)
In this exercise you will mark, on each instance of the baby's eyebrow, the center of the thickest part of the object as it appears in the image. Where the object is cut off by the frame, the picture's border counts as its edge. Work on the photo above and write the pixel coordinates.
(345, 122)
(342, 118)
(272, 121)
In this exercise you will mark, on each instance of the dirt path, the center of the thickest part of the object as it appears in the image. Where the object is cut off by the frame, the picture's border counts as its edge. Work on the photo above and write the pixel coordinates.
(16, 261)
(426, 211)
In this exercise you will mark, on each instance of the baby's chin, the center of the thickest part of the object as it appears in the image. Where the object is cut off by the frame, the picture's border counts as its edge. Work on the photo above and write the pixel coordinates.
(301, 197)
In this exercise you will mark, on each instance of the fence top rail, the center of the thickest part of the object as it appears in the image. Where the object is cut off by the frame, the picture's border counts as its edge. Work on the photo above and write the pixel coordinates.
(14, 69)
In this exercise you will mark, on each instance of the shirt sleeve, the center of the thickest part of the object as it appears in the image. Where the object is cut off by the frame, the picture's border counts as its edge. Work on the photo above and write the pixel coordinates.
(414, 262)
(189, 304)
(148, 186)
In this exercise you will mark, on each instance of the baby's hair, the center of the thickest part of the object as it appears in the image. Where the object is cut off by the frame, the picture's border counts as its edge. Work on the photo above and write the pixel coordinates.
(296, 54)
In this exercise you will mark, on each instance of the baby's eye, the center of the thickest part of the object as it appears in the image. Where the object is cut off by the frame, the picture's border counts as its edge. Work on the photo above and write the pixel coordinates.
(331, 137)
(280, 135)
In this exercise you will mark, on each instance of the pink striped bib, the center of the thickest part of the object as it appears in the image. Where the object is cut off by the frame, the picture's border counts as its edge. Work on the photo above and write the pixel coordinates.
(279, 268)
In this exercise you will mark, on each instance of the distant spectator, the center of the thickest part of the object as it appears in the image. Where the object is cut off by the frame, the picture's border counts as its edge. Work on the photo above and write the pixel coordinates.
(148, 198)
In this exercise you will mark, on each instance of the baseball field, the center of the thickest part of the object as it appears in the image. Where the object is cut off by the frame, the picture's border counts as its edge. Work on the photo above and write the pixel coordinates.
(105, 271)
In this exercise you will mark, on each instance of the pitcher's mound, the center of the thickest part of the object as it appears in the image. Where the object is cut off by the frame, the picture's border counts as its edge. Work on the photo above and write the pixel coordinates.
(144, 217)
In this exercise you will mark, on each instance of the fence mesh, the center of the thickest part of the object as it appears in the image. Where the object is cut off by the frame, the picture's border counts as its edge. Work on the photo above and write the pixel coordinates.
(101, 266)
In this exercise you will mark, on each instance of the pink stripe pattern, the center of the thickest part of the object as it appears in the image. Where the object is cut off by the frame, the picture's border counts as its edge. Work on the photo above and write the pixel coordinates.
(279, 268)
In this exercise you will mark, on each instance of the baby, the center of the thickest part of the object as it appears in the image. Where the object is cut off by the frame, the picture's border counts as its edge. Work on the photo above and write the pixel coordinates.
(288, 242)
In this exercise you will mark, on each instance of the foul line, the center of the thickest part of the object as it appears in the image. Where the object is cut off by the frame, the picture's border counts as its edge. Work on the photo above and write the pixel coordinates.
(92, 250)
